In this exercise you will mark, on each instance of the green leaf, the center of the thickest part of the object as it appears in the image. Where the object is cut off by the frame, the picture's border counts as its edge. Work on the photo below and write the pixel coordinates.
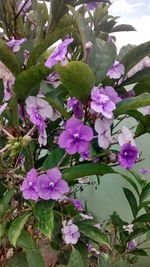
(1, 91)
(142, 87)
(132, 103)
(132, 201)
(28, 82)
(16, 228)
(44, 215)
(135, 55)
(131, 182)
(75, 259)
(145, 192)
(143, 218)
(26, 241)
(53, 100)
(139, 252)
(9, 59)
(54, 158)
(101, 58)
(58, 9)
(4, 202)
(86, 170)
(34, 259)
(93, 233)
(78, 79)
(18, 260)
(123, 28)
(124, 50)
(13, 114)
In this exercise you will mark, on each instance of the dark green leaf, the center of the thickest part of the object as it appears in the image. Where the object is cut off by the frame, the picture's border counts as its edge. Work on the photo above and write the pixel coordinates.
(124, 50)
(13, 108)
(54, 158)
(28, 82)
(78, 79)
(4, 202)
(143, 218)
(26, 241)
(142, 87)
(18, 260)
(16, 228)
(139, 76)
(123, 28)
(131, 182)
(58, 9)
(75, 259)
(139, 252)
(34, 259)
(145, 192)
(1, 91)
(93, 233)
(135, 55)
(9, 59)
(132, 201)
(86, 170)
(45, 217)
(132, 103)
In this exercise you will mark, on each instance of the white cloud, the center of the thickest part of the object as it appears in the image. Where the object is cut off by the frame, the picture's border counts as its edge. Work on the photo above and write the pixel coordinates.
(122, 7)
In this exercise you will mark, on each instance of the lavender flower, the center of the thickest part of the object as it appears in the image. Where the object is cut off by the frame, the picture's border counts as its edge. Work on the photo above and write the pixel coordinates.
(70, 232)
(132, 245)
(53, 78)
(30, 185)
(92, 5)
(128, 156)
(111, 93)
(126, 137)
(85, 155)
(77, 204)
(102, 127)
(59, 54)
(15, 44)
(77, 107)
(144, 171)
(51, 185)
(76, 136)
(116, 71)
(101, 103)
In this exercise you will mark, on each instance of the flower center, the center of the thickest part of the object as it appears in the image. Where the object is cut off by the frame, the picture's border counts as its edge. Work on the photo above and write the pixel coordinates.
(51, 184)
(30, 183)
(76, 135)
(125, 153)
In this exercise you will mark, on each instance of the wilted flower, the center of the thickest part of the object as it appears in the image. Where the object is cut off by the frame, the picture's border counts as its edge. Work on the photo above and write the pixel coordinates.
(70, 232)
(116, 71)
(30, 185)
(76, 136)
(59, 54)
(51, 185)
(128, 156)
(76, 106)
(92, 250)
(128, 228)
(132, 245)
(126, 137)
(101, 103)
(102, 127)
(144, 63)
(53, 78)
(15, 44)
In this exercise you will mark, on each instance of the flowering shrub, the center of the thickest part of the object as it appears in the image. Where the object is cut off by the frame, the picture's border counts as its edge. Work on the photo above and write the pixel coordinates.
(61, 107)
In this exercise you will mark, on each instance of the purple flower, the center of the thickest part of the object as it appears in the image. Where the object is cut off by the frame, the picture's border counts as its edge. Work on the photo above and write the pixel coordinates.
(92, 5)
(42, 139)
(85, 155)
(3, 107)
(76, 136)
(15, 44)
(132, 245)
(70, 233)
(116, 71)
(111, 93)
(101, 103)
(144, 171)
(77, 204)
(26, 6)
(59, 54)
(8, 88)
(102, 127)
(51, 185)
(77, 107)
(30, 185)
(126, 137)
(53, 78)
(128, 156)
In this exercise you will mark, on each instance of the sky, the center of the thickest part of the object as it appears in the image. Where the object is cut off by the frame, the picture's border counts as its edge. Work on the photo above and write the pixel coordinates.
(136, 13)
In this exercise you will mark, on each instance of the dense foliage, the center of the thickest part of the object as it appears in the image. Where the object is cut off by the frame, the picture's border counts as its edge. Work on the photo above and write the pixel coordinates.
(63, 101)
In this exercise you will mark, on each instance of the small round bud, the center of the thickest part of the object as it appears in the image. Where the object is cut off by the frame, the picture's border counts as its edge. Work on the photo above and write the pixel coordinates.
(88, 45)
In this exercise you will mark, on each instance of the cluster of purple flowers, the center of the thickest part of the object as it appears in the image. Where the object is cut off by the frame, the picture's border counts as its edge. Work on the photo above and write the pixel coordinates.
(49, 185)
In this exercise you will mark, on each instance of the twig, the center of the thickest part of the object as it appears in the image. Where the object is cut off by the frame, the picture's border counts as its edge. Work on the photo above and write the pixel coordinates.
(62, 159)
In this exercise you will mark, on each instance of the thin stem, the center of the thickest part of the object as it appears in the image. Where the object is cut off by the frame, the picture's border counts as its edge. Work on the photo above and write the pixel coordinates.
(62, 159)
(21, 9)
